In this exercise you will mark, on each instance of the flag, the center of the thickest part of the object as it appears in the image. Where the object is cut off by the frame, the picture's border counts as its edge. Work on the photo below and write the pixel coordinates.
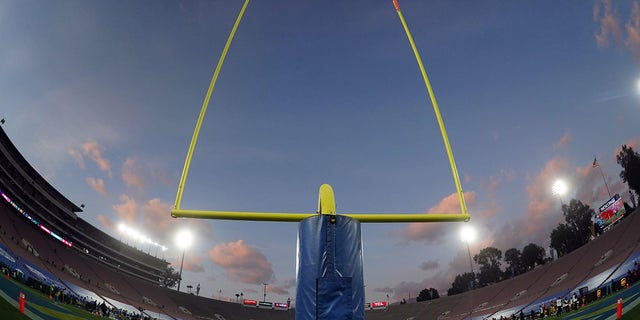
(595, 162)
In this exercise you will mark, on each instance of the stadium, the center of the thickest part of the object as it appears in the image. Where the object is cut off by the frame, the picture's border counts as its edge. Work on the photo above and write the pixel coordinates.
(45, 244)
(300, 90)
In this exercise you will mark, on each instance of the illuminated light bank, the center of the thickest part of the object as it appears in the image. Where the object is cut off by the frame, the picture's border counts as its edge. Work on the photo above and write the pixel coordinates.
(34, 221)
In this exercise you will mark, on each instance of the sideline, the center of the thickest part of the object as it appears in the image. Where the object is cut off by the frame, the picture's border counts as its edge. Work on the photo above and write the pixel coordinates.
(14, 303)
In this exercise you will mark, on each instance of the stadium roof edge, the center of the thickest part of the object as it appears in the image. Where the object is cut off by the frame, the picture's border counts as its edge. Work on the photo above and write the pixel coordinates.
(11, 152)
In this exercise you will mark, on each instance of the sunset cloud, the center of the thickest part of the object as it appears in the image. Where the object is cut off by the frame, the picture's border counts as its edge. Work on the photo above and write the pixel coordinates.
(432, 232)
(93, 151)
(632, 143)
(104, 221)
(589, 184)
(282, 288)
(633, 31)
(126, 209)
(157, 214)
(543, 210)
(193, 263)
(97, 185)
(564, 141)
(132, 175)
(610, 26)
(242, 263)
(77, 156)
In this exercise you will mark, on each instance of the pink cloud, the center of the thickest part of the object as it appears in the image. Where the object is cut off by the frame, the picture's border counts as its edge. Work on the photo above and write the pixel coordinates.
(161, 175)
(92, 150)
(97, 185)
(633, 31)
(496, 180)
(105, 221)
(157, 214)
(451, 203)
(563, 142)
(604, 14)
(127, 209)
(282, 288)
(242, 263)
(632, 143)
(132, 175)
(77, 157)
(543, 211)
(590, 188)
(432, 232)
(193, 263)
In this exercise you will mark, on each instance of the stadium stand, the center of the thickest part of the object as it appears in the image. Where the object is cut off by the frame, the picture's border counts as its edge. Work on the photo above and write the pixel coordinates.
(591, 267)
(42, 237)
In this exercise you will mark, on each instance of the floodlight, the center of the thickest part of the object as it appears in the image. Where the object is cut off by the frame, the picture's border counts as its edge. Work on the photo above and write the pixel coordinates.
(468, 234)
(184, 238)
(559, 188)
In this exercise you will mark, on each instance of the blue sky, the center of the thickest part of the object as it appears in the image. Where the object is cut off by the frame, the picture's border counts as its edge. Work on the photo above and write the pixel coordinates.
(102, 98)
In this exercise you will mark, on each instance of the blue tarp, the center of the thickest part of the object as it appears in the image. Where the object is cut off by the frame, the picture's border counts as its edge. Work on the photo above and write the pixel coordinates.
(32, 271)
(329, 271)
(7, 258)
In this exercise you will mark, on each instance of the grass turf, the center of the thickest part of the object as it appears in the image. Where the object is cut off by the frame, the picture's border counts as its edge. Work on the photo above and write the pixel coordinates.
(10, 312)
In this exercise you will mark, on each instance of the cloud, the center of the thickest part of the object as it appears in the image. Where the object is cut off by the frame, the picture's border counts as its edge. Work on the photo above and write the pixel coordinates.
(494, 181)
(77, 156)
(105, 221)
(589, 185)
(242, 263)
(633, 31)
(157, 213)
(97, 185)
(433, 232)
(132, 175)
(610, 26)
(632, 143)
(383, 290)
(543, 210)
(429, 265)
(127, 209)
(193, 263)
(282, 288)
(92, 150)
(441, 280)
(563, 142)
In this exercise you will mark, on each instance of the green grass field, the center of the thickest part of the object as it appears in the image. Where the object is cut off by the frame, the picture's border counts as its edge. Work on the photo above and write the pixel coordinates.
(40, 304)
(10, 312)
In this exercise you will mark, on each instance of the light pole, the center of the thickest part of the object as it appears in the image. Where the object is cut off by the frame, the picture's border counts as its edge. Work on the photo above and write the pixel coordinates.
(264, 299)
(596, 164)
(468, 235)
(183, 241)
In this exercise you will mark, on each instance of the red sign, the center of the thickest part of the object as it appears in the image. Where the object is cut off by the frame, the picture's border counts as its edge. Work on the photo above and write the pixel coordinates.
(250, 302)
(377, 305)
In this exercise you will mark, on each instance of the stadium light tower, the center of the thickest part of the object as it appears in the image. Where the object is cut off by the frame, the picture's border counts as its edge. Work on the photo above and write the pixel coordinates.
(183, 241)
(468, 235)
(264, 298)
(559, 188)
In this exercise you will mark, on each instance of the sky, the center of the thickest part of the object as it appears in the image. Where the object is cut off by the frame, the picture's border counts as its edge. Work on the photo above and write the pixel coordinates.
(102, 97)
